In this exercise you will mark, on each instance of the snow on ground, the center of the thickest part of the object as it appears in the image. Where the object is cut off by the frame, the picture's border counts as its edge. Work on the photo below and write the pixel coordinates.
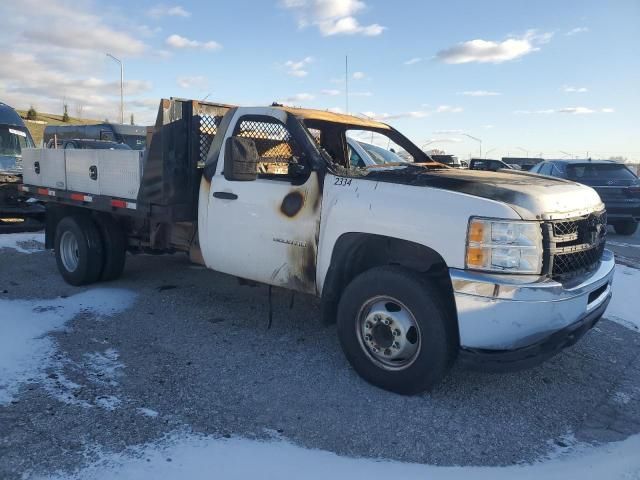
(23, 242)
(198, 457)
(623, 308)
(147, 412)
(25, 348)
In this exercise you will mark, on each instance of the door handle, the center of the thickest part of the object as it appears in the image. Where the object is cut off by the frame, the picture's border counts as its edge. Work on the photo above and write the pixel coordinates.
(225, 195)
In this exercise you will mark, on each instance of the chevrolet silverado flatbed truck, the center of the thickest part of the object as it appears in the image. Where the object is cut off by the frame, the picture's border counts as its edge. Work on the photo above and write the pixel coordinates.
(419, 264)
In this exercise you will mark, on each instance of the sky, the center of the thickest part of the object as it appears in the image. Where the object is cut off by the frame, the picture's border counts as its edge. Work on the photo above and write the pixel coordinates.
(547, 78)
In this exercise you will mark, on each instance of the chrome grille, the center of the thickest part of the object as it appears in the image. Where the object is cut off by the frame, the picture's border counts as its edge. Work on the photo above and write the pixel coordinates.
(575, 246)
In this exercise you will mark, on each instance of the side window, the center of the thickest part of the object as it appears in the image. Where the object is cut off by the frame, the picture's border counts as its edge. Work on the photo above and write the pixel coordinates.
(277, 149)
(545, 169)
(354, 159)
(556, 171)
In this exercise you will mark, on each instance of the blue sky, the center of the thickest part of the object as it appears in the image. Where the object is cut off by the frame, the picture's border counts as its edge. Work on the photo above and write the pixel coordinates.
(544, 76)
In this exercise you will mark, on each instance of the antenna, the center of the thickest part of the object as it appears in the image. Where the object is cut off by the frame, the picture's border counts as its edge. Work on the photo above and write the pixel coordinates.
(346, 81)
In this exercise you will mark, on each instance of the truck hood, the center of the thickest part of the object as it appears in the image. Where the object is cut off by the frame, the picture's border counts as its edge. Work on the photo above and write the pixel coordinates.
(533, 197)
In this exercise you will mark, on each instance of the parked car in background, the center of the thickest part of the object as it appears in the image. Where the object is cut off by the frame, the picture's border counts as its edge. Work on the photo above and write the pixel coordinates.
(363, 154)
(131, 135)
(16, 213)
(89, 144)
(617, 185)
(488, 164)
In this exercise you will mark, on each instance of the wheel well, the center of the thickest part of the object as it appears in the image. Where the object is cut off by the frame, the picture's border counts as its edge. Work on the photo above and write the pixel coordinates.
(55, 213)
(355, 253)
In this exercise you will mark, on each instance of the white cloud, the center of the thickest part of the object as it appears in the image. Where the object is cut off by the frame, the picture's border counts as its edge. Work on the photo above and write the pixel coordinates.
(577, 30)
(49, 26)
(164, 10)
(298, 68)
(479, 93)
(488, 51)
(332, 92)
(576, 110)
(570, 110)
(395, 116)
(178, 41)
(197, 81)
(358, 75)
(360, 94)
(488, 127)
(298, 98)
(413, 61)
(444, 140)
(332, 17)
(447, 132)
(570, 89)
(448, 109)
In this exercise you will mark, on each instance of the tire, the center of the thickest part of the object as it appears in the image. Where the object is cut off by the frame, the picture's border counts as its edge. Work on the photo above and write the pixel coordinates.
(395, 291)
(114, 248)
(627, 227)
(78, 250)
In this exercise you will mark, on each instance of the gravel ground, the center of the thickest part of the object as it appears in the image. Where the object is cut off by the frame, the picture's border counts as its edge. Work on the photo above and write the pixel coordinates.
(194, 353)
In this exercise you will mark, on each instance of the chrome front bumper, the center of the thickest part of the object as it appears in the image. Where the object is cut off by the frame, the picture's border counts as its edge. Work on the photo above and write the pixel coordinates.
(505, 313)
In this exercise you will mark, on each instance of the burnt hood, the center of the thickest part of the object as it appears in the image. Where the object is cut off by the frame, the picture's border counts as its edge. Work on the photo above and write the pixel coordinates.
(531, 196)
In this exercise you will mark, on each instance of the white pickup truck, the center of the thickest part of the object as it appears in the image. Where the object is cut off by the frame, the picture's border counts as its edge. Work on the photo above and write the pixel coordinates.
(419, 264)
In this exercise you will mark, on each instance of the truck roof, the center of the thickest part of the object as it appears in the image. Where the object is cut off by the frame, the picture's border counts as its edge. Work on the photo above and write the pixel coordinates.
(8, 116)
(327, 116)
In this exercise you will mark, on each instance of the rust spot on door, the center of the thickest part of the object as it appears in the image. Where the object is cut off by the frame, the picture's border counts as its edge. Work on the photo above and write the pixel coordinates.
(292, 203)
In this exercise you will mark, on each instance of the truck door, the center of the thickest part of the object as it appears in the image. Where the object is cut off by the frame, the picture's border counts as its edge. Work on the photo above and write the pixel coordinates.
(264, 229)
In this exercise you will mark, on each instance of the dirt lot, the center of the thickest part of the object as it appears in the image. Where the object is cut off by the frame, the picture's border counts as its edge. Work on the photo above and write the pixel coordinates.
(172, 347)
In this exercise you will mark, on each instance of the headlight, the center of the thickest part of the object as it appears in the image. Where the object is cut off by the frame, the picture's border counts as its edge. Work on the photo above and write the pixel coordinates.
(504, 246)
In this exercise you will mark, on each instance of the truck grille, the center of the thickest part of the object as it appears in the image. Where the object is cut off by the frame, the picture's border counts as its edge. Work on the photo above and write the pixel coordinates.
(574, 246)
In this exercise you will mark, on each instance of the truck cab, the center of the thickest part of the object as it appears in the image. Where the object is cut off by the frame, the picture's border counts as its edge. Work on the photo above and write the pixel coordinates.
(417, 263)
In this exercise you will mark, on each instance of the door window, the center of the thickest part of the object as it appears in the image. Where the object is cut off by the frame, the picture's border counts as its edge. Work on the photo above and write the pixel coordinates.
(545, 169)
(277, 149)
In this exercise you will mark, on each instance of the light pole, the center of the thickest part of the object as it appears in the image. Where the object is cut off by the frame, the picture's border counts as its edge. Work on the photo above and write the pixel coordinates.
(523, 150)
(476, 139)
(121, 86)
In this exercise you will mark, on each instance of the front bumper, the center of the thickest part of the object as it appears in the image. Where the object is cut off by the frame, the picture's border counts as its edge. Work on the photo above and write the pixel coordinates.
(510, 319)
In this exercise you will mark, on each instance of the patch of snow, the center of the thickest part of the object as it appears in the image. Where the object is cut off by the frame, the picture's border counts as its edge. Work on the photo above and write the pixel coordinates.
(200, 457)
(621, 398)
(108, 402)
(104, 367)
(147, 412)
(23, 242)
(26, 350)
(623, 307)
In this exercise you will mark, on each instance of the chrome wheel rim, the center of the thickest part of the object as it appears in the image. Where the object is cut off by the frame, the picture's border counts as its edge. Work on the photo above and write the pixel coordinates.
(388, 333)
(69, 252)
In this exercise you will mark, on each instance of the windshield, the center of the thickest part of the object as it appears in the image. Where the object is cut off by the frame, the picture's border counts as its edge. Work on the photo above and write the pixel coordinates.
(380, 155)
(599, 173)
(12, 141)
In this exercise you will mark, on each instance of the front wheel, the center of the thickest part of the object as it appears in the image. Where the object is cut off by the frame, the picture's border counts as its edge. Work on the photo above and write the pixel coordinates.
(627, 227)
(78, 249)
(395, 330)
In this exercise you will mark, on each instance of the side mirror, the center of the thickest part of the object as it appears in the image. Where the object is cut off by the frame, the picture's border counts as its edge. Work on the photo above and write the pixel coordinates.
(240, 159)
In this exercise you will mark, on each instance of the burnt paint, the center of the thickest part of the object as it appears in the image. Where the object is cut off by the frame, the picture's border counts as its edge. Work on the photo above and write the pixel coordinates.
(463, 182)
(292, 203)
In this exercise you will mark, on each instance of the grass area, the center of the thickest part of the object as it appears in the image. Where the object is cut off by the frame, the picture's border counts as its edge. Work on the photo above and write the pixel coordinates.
(37, 129)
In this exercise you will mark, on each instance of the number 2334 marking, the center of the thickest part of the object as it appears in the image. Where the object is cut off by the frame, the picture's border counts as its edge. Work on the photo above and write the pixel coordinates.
(342, 182)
